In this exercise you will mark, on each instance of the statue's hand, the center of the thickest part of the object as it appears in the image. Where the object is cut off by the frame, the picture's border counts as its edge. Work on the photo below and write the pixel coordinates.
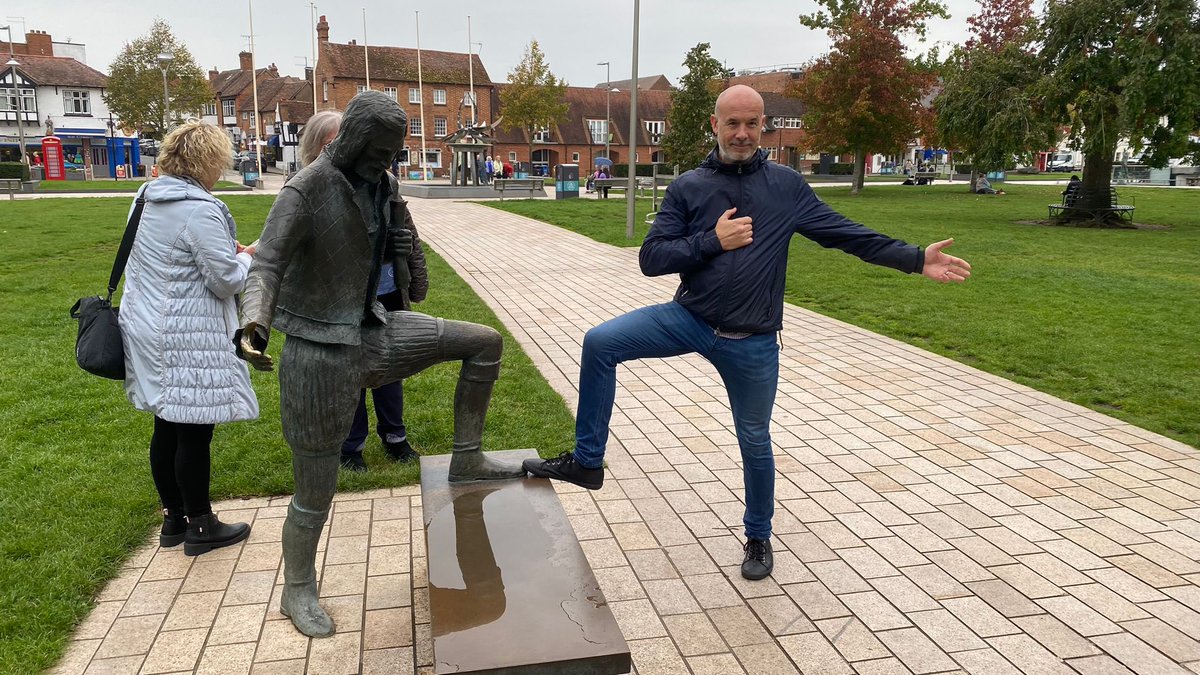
(252, 347)
(402, 242)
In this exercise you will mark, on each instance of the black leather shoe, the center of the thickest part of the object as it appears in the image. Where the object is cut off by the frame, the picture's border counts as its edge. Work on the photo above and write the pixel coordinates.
(759, 560)
(354, 462)
(400, 451)
(565, 468)
(204, 533)
(174, 529)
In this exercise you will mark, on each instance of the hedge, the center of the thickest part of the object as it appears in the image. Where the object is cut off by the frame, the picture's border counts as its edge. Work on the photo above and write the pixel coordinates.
(14, 170)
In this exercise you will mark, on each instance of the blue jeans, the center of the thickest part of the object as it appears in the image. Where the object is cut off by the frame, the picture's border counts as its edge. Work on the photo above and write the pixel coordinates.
(749, 368)
(389, 410)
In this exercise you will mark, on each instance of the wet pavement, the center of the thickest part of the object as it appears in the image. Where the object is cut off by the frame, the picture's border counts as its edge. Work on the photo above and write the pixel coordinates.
(930, 517)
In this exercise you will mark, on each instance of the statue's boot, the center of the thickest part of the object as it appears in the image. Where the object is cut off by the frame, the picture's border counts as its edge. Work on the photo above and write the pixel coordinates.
(301, 533)
(468, 462)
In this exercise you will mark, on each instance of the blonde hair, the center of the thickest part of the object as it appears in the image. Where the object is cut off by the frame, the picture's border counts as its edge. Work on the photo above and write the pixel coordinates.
(196, 150)
(313, 135)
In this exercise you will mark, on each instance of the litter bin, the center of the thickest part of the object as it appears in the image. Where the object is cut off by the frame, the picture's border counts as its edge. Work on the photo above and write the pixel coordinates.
(249, 173)
(566, 181)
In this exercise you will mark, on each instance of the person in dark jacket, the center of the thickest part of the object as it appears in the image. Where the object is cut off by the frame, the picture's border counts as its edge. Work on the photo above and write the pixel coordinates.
(725, 228)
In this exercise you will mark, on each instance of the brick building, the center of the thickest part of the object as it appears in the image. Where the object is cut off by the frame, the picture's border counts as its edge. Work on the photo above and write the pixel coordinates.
(233, 105)
(341, 73)
(580, 139)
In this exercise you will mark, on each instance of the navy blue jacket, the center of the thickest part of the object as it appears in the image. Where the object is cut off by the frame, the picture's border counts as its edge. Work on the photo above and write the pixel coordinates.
(742, 290)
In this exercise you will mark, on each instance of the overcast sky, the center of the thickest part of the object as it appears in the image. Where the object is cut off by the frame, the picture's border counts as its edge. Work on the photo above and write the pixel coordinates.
(575, 35)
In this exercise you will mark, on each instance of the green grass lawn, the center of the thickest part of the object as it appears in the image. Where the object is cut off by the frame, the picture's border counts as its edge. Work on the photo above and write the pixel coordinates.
(76, 492)
(1105, 318)
(112, 185)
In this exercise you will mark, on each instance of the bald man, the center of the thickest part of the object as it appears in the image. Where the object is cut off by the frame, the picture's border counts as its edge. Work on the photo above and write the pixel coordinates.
(724, 228)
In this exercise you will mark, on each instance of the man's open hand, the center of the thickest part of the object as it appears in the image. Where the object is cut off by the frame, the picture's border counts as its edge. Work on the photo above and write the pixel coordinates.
(253, 348)
(942, 267)
(734, 232)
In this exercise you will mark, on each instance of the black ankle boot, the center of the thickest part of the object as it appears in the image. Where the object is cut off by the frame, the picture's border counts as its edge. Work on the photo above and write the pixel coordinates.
(204, 533)
(174, 528)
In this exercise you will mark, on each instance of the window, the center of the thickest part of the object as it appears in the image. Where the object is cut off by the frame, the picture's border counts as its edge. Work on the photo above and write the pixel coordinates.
(227, 109)
(210, 109)
(414, 95)
(10, 101)
(414, 127)
(469, 99)
(405, 158)
(439, 126)
(512, 156)
(439, 97)
(656, 128)
(542, 135)
(99, 155)
(773, 154)
(777, 122)
(325, 91)
(361, 88)
(598, 130)
(76, 102)
(245, 115)
(575, 157)
(433, 159)
(791, 123)
(391, 92)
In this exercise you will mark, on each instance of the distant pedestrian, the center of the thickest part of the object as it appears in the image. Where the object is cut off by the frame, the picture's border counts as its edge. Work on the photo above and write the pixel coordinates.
(489, 168)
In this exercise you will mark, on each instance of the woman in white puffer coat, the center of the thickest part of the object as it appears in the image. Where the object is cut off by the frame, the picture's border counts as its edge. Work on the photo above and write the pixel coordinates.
(178, 315)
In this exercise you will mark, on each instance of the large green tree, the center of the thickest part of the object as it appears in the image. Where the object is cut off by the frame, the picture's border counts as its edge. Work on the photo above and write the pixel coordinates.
(988, 111)
(135, 83)
(533, 98)
(865, 95)
(689, 135)
(1122, 69)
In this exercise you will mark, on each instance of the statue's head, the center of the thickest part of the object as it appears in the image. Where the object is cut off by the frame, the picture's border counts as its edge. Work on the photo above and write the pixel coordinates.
(372, 134)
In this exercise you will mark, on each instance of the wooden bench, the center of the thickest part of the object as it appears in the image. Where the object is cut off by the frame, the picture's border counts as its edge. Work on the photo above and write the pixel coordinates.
(927, 176)
(1070, 206)
(643, 183)
(530, 184)
(11, 186)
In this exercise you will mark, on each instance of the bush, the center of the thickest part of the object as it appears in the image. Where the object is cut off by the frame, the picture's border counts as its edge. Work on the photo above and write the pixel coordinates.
(14, 170)
(964, 168)
(841, 169)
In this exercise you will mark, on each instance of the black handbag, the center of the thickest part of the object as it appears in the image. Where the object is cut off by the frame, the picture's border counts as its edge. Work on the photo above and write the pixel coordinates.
(98, 346)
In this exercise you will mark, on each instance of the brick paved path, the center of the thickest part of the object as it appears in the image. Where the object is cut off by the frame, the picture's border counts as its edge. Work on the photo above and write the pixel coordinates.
(922, 526)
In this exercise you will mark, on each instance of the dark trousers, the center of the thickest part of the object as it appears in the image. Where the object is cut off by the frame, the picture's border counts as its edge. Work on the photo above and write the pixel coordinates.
(389, 410)
(180, 465)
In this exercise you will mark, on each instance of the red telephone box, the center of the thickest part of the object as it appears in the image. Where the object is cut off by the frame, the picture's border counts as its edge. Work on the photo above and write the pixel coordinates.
(52, 159)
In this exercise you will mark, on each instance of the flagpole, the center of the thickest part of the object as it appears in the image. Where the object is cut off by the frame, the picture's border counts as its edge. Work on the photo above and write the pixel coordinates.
(312, 38)
(471, 68)
(366, 52)
(254, 80)
(421, 90)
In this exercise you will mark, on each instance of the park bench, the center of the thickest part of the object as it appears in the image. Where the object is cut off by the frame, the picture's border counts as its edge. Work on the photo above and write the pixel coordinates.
(530, 184)
(11, 186)
(1070, 206)
(643, 183)
(924, 177)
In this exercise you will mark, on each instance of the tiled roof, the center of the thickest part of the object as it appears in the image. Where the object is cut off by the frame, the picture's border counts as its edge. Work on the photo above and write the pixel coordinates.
(279, 89)
(399, 64)
(296, 111)
(778, 105)
(584, 103)
(648, 83)
(60, 71)
(231, 83)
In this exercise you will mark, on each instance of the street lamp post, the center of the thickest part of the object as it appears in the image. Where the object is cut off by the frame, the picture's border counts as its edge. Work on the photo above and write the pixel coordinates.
(607, 106)
(164, 62)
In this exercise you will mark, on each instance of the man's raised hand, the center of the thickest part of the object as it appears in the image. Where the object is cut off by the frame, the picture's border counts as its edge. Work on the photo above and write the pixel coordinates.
(734, 232)
(942, 267)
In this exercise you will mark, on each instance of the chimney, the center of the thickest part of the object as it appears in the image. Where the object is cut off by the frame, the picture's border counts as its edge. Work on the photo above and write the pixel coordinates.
(308, 74)
(245, 60)
(353, 42)
(322, 30)
(273, 70)
(39, 43)
(212, 74)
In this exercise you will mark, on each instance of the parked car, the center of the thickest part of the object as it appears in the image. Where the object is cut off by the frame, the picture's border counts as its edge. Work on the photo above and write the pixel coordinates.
(241, 157)
(1063, 162)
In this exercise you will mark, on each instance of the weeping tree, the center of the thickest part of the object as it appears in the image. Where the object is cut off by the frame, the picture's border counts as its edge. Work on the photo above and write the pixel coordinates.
(865, 94)
(1122, 69)
(988, 110)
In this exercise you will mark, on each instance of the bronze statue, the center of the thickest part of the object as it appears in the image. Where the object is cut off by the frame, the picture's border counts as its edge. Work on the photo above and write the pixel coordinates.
(314, 278)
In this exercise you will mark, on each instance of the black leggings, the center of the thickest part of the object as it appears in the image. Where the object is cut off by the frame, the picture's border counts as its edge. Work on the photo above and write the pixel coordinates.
(179, 462)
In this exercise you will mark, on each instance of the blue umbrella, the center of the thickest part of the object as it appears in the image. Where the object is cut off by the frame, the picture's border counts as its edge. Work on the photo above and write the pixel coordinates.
(603, 161)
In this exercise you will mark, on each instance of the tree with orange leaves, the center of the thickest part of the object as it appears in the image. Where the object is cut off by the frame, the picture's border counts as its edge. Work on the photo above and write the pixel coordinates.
(865, 95)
